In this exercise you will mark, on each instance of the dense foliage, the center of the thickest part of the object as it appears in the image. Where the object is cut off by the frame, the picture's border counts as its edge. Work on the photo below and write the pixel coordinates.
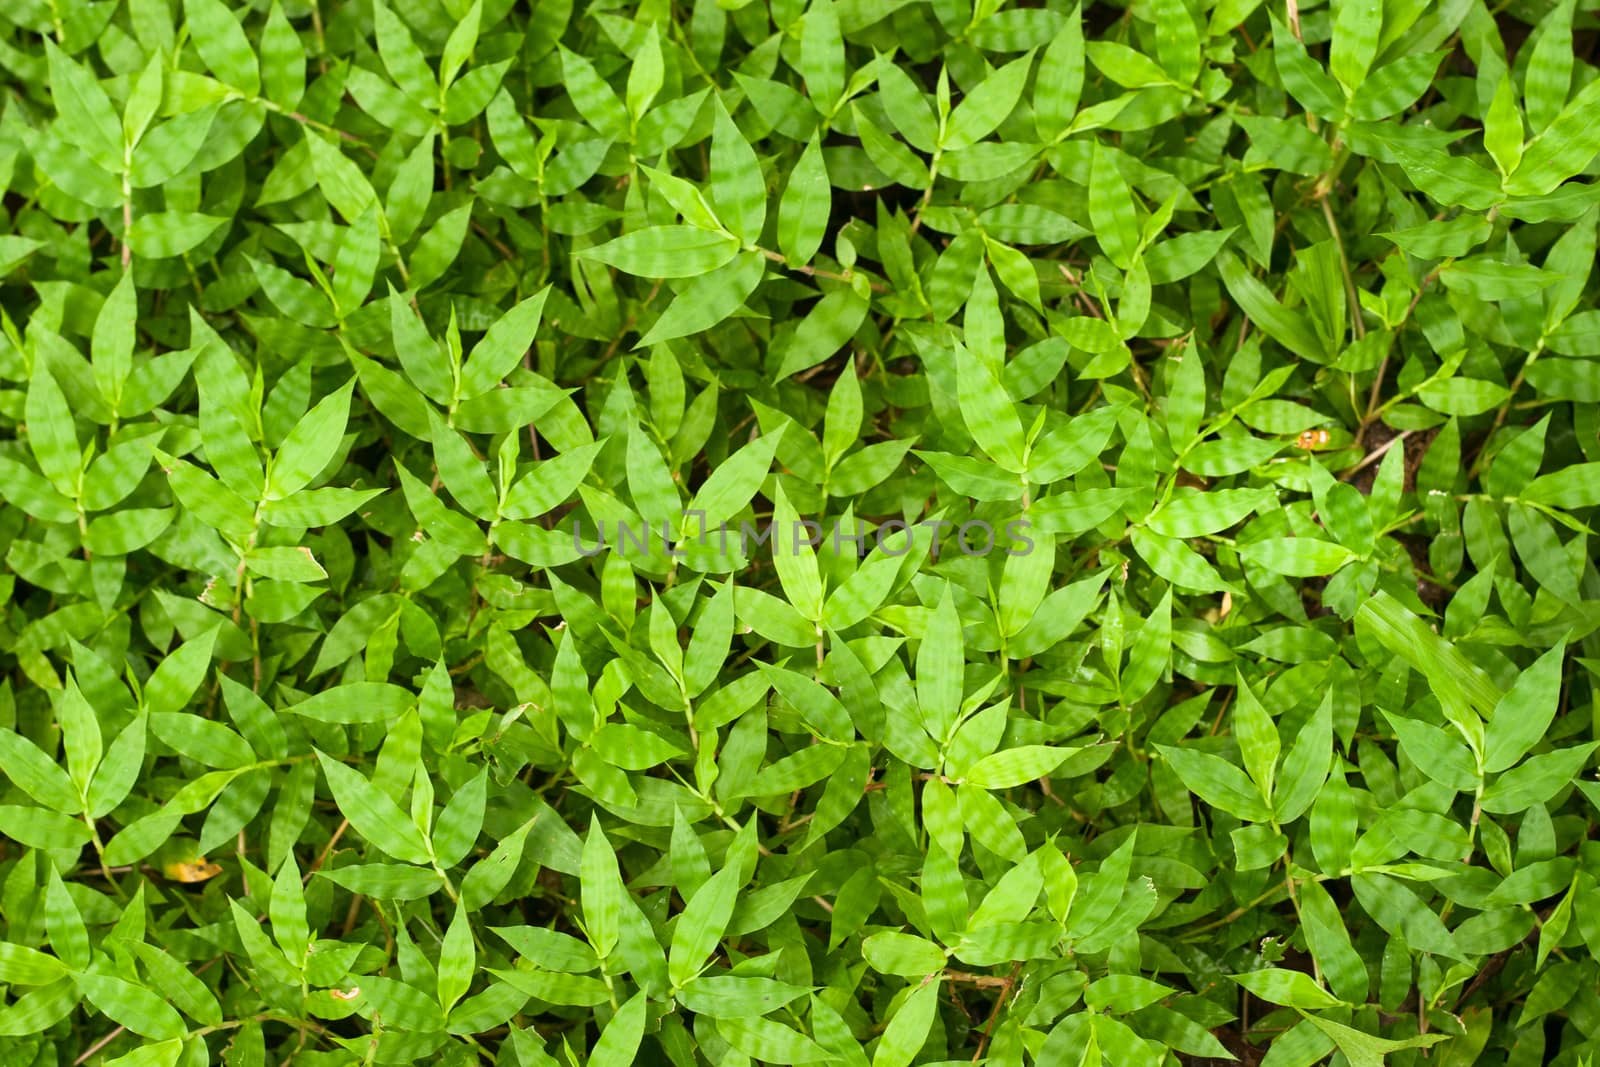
(867, 532)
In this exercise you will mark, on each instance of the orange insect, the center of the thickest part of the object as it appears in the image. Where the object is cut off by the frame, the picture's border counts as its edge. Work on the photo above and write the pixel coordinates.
(1310, 439)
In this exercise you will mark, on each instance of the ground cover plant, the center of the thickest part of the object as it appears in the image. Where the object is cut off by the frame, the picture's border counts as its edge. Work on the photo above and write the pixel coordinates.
(863, 532)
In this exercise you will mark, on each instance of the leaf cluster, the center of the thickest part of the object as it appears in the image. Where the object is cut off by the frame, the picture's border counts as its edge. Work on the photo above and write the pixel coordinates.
(1172, 430)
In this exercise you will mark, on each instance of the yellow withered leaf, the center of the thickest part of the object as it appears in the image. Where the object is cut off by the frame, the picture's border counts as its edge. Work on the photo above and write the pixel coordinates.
(189, 871)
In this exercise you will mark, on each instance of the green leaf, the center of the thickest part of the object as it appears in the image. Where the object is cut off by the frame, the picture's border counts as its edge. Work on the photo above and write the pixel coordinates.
(602, 892)
(287, 909)
(387, 881)
(795, 559)
(37, 775)
(459, 824)
(23, 966)
(1059, 82)
(1502, 128)
(705, 918)
(115, 777)
(1295, 989)
(1015, 766)
(1450, 237)
(983, 109)
(69, 937)
(939, 669)
(1561, 150)
(1536, 779)
(1115, 410)
(1300, 557)
(85, 111)
(1304, 77)
(803, 210)
(342, 182)
(647, 76)
(830, 323)
(457, 958)
(132, 1006)
(80, 732)
(202, 740)
(310, 446)
(737, 187)
(283, 60)
(822, 59)
(1177, 40)
(619, 1041)
(1524, 713)
(1112, 211)
(1257, 736)
(1548, 75)
(51, 434)
(1356, 29)
(1364, 1050)
(1305, 768)
(1289, 328)
(908, 1029)
(171, 233)
(372, 813)
(708, 300)
(771, 1041)
(503, 346)
(890, 952)
(1217, 782)
(459, 45)
(161, 1054)
(490, 875)
(988, 412)
(1457, 681)
(667, 251)
(221, 42)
